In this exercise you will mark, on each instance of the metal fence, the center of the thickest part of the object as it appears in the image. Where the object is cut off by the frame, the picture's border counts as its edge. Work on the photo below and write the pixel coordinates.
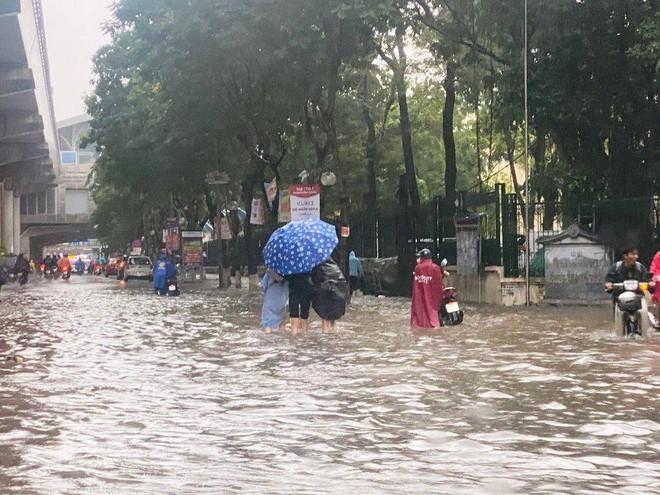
(505, 237)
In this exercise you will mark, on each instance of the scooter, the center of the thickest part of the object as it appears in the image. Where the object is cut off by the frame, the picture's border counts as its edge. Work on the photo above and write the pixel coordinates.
(631, 312)
(66, 274)
(451, 313)
(173, 288)
(450, 310)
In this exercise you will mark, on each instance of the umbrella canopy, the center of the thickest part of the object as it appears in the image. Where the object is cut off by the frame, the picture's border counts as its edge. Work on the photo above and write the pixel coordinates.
(299, 247)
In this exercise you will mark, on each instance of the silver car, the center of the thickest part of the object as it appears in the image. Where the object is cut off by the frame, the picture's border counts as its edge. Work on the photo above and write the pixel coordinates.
(139, 267)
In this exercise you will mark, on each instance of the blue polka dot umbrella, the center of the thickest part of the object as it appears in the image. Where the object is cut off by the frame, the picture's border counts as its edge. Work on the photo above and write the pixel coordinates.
(299, 247)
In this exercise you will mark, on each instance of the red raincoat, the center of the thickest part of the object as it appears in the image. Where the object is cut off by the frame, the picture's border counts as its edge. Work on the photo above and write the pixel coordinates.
(655, 270)
(427, 290)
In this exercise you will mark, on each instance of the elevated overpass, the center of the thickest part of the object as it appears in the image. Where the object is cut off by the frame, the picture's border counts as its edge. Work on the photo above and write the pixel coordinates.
(62, 213)
(29, 148)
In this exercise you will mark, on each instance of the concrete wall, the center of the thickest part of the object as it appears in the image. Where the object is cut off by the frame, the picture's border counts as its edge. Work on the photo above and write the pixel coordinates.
(575, 271)
(491, 287)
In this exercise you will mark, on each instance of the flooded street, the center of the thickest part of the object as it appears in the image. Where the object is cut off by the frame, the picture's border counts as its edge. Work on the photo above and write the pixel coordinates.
(124, 392)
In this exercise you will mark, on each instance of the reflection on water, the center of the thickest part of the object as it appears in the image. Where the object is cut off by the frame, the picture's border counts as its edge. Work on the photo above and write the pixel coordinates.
(122, 392)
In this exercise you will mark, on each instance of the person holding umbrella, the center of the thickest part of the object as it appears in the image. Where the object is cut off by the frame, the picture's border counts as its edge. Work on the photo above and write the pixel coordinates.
(294, 251)
(300, 300)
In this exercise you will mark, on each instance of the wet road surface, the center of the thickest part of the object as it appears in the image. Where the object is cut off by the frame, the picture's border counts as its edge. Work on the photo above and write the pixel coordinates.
(124, 392)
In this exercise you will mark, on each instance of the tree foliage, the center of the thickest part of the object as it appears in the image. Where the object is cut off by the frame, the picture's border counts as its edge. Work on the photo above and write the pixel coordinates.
(267, 88)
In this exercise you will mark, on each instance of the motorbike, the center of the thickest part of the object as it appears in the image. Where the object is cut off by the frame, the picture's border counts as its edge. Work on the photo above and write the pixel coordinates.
(450, 310)
(66, 274)
(631, 312)
(451, 313)
(23, 279)
(173, 288)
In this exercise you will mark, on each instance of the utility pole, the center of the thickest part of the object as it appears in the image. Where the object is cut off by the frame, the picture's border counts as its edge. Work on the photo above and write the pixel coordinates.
(527, 195)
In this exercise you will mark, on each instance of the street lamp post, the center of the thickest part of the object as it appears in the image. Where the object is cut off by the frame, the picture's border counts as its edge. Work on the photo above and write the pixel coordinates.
(527, 194)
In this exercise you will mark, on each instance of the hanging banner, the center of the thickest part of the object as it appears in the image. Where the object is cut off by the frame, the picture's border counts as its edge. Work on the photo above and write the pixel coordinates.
(257, 216)
(284, 213)
(222, 228)
(271, 192)
(172, 241)
(305, 201)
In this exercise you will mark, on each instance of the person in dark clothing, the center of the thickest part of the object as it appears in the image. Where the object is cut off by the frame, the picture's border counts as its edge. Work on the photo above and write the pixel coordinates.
(22, 268)
(300, 299)
(330, 293)
(626, 269)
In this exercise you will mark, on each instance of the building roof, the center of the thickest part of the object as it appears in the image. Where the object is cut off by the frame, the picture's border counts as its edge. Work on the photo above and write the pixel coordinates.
(80, 119)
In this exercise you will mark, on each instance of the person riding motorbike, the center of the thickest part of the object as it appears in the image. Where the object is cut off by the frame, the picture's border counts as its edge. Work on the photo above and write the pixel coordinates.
(54, 260)
(164, 270)
(22, 268)
(427, 292)
(627, 269)
(64, 264)
(80, 266)
(121, 268)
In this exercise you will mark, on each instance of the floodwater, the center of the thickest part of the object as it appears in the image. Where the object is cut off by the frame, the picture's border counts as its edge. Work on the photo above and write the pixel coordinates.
(124, 392)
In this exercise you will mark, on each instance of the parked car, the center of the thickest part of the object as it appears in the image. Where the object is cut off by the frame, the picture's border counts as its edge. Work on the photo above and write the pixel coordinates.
(138, 267)
(111, 267)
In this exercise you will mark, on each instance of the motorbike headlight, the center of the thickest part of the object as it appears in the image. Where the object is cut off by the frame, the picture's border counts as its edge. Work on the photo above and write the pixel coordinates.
(644, 286)
(631, 285)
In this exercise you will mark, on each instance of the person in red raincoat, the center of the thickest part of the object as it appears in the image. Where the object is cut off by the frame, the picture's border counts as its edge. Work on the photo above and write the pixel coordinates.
(427, 291)
(655, 271)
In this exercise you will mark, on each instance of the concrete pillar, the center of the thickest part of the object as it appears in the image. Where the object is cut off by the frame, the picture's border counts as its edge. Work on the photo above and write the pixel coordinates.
(468, 237)
(17, 224)
(8, 221)
(2, 209)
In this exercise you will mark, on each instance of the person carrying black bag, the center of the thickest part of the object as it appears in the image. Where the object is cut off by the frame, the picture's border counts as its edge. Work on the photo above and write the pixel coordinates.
(330, 293)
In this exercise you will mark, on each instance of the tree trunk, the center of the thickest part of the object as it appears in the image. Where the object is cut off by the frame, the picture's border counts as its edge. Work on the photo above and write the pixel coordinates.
(371, 196)
(404, 122)
(548, 191)
(405, 255)
(478, 132)
(510, 153)
(451, 173)
(256, 176)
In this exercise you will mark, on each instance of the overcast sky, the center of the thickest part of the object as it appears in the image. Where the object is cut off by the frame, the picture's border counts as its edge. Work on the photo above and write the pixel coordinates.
(74, 33)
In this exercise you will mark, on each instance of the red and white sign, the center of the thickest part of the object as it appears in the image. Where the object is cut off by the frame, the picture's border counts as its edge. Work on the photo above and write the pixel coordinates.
(305, 201)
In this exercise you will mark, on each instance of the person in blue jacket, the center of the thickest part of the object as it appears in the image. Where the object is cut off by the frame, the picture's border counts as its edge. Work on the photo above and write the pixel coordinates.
(80, 266)
(164, 270)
